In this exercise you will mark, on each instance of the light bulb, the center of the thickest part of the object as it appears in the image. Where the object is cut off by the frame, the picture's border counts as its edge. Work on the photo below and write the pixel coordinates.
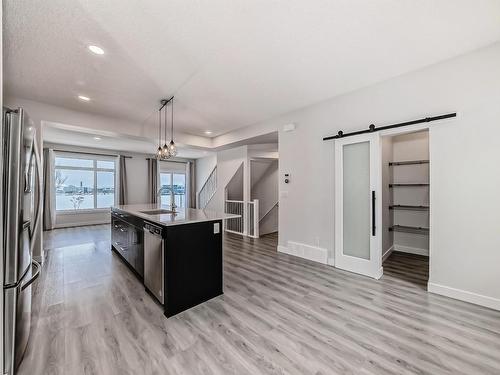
(172, 148)
(159, 152)
(165, 151)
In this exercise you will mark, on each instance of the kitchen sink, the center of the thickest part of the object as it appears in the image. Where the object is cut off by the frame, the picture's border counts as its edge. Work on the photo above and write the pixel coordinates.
(157, 212)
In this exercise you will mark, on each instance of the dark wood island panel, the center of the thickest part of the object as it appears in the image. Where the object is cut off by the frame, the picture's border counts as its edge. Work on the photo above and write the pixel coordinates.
(193, 265)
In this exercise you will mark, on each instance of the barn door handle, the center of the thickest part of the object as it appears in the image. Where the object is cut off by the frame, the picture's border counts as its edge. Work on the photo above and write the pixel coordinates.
(373, 213)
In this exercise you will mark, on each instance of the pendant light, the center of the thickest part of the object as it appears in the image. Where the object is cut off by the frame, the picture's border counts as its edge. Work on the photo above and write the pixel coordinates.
(172, 147)
(169, 150)
(165, 151)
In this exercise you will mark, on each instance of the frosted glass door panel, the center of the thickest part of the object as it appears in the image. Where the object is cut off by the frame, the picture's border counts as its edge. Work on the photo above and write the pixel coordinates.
(356, 200)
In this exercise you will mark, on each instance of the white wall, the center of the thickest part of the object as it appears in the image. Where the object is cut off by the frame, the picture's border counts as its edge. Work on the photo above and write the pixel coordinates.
(464, 243)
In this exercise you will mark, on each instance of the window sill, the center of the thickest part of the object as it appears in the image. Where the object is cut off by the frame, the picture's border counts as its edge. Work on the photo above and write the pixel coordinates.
(85, 211)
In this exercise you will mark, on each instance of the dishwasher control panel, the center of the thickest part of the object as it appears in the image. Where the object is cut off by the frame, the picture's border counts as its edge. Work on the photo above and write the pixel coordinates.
(153, 229)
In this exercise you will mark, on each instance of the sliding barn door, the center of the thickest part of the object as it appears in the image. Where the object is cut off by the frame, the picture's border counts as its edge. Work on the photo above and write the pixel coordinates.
(358, 205)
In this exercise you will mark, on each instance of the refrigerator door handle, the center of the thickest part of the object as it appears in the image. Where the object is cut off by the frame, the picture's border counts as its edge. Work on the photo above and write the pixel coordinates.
(35, 275)
(40, 197)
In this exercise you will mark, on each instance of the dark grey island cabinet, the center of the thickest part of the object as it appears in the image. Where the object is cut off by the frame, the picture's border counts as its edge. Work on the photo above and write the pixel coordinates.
(187, 255)
(127, 239)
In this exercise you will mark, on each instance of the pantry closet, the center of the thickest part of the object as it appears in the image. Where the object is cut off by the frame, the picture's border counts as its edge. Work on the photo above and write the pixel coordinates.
(405, 200)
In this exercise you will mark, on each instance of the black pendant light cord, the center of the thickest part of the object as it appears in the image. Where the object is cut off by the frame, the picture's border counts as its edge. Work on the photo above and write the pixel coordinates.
(172, 121)
(159, 128)
(166, 107)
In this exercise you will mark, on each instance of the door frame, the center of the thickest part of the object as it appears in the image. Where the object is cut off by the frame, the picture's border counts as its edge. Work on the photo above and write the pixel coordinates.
(373, 266)
(414, 129)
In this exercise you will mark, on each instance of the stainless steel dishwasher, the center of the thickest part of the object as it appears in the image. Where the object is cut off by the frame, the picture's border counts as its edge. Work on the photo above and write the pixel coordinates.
(154, 270)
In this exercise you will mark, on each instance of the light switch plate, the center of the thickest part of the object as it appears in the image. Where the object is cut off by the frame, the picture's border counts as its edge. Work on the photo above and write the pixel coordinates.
(216, 228)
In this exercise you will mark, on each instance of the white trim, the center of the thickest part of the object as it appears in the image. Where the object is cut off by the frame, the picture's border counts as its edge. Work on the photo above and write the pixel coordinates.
(463, 295)
(81, 224)
(301, 250)
(232, 231)
(71, 212)
(95, 158)
(387, 253)
(330, 261)
(411, 250)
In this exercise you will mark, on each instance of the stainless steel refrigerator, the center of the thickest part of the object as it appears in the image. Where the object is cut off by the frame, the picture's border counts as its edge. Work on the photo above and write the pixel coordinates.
(21, 219)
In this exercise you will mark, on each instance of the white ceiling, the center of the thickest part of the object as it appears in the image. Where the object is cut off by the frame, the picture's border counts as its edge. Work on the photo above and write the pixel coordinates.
(230, 63)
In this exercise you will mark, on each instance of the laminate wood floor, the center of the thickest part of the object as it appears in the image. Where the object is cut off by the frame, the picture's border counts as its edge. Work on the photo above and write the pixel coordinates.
(279, 315)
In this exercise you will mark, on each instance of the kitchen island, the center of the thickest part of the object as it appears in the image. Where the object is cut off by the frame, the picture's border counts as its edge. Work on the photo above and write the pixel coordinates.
(177, 255)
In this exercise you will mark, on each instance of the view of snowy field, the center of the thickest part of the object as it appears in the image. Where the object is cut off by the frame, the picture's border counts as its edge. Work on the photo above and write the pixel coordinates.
(65, 201)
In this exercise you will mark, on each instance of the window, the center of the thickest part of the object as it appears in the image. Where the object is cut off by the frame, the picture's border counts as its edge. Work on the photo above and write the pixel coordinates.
(84, 182)
(173, 188)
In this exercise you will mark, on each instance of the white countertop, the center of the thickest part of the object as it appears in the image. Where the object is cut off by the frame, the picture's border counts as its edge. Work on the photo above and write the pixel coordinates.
(182, 215)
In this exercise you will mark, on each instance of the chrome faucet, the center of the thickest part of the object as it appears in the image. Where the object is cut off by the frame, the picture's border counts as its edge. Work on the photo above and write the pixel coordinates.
(173, 206)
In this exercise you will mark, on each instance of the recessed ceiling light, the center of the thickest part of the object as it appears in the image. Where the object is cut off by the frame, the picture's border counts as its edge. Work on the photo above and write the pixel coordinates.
(96, 50)
(208, 132)
(97, 138)
(84, 98)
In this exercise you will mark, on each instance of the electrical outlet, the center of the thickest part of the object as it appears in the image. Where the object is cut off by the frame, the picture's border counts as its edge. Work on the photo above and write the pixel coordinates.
(216, 228)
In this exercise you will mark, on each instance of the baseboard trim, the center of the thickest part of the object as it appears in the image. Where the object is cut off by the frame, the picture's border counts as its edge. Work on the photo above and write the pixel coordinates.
(410, 250)
(463, 295)
(301, 250)
(82, 224)
(387, 253)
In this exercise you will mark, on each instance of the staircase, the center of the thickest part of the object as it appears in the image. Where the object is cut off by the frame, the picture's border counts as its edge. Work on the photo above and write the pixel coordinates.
(208, 190)
(264, 188)
(268, 222)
